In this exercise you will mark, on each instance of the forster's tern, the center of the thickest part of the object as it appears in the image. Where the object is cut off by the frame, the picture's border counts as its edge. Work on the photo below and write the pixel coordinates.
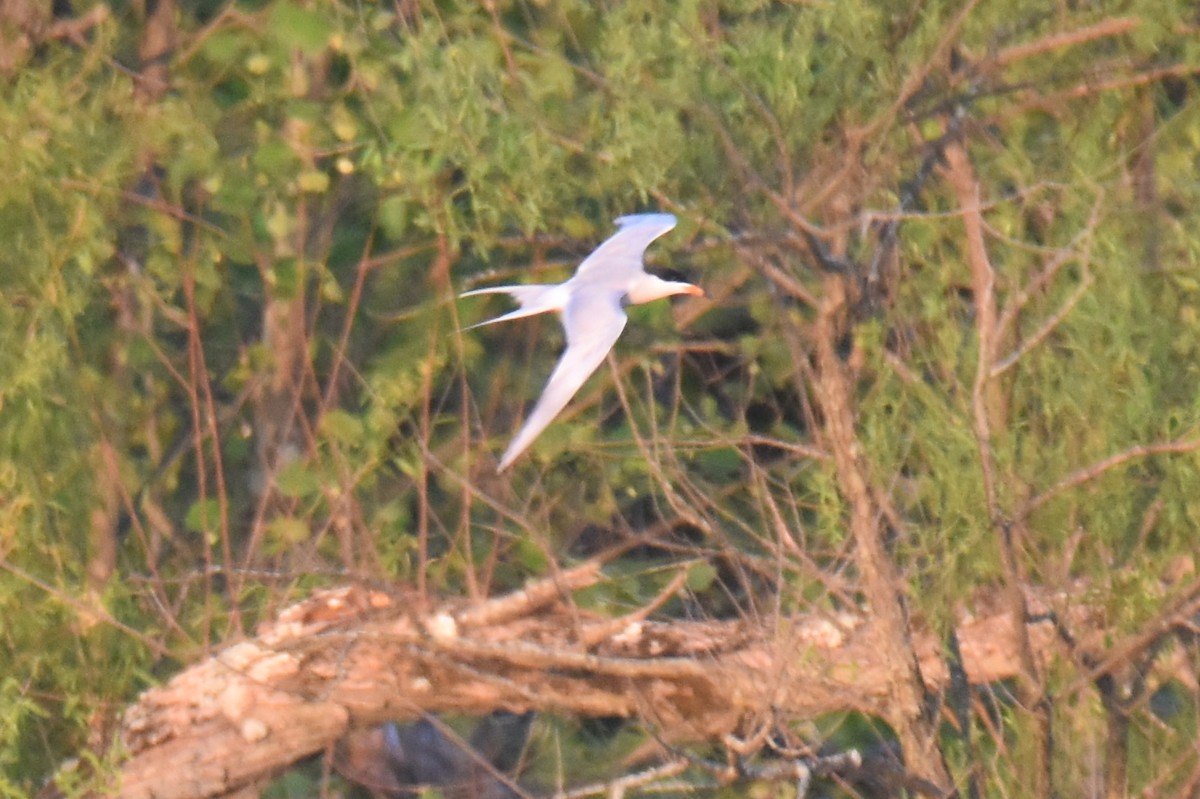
(592, 305)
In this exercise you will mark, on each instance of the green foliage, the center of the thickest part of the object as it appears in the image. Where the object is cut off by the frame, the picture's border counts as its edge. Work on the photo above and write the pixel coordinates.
(227, 339)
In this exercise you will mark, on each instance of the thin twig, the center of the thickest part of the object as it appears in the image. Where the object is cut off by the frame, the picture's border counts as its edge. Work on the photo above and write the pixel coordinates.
(1047, 327)
(1095, 470)
(1102, 29)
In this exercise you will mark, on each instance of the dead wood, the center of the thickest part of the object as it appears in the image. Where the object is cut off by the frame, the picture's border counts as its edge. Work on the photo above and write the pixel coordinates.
(354, 656)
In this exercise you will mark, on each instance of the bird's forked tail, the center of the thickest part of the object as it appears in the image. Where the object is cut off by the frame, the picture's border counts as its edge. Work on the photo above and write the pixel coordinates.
(534, 299)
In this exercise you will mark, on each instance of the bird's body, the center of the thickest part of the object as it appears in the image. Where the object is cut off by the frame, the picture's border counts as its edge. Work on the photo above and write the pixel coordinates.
(591, 304)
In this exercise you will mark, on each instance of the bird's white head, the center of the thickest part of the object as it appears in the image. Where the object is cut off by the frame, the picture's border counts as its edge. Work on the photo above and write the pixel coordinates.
(648, 288)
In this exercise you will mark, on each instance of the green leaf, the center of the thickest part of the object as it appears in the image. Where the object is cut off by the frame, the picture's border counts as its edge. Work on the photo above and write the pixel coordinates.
(301, 28)
(393, 215)
(203, 516)
(276, 159)
(313, 181)
(288, 530)
(296, 480)
(700, 576)
(342, 427)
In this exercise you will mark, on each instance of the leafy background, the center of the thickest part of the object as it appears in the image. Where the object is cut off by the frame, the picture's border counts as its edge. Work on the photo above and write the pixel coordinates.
(231, 367)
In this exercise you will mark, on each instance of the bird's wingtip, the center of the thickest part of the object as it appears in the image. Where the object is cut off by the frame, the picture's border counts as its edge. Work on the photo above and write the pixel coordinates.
(662, 218)
(510, 455)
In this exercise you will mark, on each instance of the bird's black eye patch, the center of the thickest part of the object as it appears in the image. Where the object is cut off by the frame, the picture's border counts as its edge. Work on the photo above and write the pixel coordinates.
(667, 273)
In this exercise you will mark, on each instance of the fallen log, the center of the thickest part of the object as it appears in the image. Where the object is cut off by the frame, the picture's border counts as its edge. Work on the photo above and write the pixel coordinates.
(352, 657)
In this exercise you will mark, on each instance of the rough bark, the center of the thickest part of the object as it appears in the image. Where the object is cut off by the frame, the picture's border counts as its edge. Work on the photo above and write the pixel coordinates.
(354, 656)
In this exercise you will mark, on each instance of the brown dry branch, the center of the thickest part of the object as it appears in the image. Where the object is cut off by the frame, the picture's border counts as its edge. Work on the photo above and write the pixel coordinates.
(1095, 470)
(988, 415)
(206, 429)
(159, 37)
(902, 673)
(352, 657)
(1113, 26)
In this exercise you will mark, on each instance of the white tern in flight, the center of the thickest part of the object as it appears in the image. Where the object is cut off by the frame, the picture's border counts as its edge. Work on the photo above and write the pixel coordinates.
(592, 304)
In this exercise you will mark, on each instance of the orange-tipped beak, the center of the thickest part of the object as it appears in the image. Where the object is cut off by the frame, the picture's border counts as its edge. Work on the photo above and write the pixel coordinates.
(695, 291)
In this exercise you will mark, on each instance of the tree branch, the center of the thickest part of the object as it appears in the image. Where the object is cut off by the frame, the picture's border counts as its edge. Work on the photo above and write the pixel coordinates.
(354, 657)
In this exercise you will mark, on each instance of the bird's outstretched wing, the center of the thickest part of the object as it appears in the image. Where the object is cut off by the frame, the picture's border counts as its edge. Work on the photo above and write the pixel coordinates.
(593, 324)
(619, 258)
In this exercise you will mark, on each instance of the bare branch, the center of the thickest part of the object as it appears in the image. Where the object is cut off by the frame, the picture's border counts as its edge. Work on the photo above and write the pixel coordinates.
(353, 656)
(1114, 26)
(1047, 327)
(1095, 470)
